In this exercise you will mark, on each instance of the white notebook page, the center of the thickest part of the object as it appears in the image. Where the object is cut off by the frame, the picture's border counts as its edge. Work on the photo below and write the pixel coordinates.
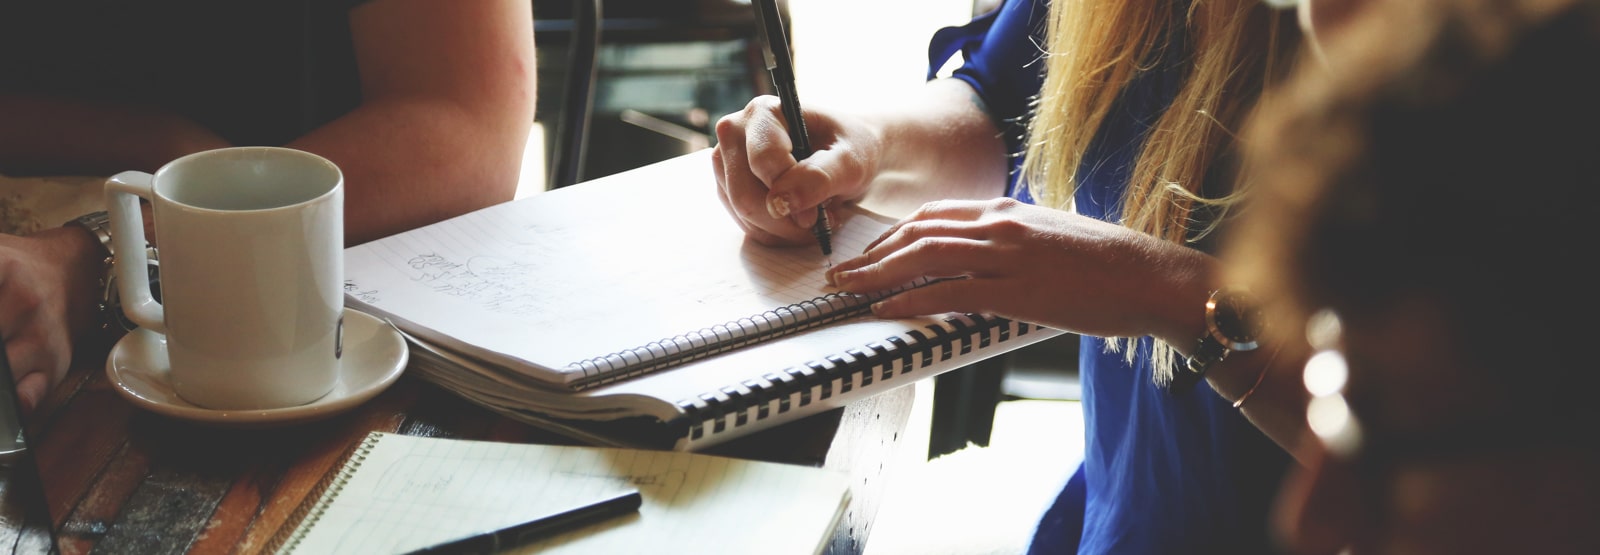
(410, 492)
(588, 271)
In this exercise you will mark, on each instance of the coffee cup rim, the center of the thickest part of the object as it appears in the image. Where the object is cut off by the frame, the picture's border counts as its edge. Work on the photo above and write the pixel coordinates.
(159, 191)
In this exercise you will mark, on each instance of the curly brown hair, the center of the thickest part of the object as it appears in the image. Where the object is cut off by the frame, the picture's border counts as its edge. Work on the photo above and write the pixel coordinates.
(1450, 155)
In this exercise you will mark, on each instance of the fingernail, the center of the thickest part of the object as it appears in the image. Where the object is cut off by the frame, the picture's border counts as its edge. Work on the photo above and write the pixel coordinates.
(829, 278)
(877, 307)
(778, 206)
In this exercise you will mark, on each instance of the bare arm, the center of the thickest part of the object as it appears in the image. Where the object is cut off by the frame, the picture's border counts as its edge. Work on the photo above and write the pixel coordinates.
(1278, 404)
(1270, 374)
(59, 136)
(1073, 272)
(47, 304)
(946, 147)
(448, 97)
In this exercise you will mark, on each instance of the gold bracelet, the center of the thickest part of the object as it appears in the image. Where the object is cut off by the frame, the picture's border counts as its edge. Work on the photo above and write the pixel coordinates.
(1259, 378)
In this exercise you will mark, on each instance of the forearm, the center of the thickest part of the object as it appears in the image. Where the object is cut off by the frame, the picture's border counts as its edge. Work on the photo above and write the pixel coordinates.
(410, 162)
(1270, 374)
(1277, 406)
(448, 95)
(50, 282)
(83, 261)
(939, 145)
(44, 136)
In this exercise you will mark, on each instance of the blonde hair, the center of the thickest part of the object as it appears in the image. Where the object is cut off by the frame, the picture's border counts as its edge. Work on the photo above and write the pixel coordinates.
(1094, 49)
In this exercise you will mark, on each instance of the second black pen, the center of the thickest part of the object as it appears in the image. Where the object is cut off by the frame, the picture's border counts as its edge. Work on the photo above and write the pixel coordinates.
(518, 534)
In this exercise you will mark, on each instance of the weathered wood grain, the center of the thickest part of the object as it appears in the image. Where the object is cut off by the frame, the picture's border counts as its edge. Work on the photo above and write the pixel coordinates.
(121, 480)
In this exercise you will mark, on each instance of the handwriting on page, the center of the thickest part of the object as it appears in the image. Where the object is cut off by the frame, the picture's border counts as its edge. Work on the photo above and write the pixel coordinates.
(496, 284)
(541, 282)
(369, 296)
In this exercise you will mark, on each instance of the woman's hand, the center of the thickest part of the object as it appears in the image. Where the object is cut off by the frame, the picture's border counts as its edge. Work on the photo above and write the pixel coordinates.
(772, 196)
(937, 143)
(1034, 264)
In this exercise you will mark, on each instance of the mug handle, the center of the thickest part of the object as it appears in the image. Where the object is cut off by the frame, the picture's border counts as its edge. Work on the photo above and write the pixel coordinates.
(127, 235)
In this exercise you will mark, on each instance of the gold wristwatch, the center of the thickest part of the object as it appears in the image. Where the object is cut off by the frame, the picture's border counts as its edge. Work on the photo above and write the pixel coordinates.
(1233, 323)
(110, 304)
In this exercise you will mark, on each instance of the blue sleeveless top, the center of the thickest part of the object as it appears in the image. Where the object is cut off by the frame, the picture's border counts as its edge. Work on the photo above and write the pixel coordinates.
(1162, 473)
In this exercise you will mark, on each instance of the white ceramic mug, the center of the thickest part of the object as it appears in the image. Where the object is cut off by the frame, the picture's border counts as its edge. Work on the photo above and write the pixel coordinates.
(251, 241)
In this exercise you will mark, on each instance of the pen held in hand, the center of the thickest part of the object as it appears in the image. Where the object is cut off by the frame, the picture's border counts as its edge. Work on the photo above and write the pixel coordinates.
(823, 230)
(775, 51)
(518, 534)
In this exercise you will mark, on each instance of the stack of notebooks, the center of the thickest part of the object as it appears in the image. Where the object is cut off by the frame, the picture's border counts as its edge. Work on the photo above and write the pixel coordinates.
(631, 311)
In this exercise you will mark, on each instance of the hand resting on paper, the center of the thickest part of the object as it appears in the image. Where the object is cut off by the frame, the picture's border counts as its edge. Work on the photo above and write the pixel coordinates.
(1029, 263)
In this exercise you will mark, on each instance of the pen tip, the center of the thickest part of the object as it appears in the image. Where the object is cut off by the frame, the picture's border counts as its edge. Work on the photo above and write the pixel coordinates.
(823, 230)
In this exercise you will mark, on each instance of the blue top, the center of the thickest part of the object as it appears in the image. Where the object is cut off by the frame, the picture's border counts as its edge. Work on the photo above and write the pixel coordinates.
(1161, 473)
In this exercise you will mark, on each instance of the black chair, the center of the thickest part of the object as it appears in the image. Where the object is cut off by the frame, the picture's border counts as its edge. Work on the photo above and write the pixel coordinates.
(578, 95)
(593, 63)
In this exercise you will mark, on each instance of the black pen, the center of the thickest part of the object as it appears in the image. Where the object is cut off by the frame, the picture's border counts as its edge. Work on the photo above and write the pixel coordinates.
(775, 49)
(518, 534)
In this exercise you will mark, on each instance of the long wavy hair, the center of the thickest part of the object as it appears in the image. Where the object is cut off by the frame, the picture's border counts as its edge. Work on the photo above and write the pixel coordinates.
(1229, 51)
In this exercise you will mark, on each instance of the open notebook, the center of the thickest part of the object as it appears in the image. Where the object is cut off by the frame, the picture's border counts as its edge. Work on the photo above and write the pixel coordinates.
(396, 493)
(636, 295)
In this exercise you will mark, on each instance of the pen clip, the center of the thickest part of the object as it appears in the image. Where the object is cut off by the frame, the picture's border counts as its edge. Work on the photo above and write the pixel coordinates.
(768, 29)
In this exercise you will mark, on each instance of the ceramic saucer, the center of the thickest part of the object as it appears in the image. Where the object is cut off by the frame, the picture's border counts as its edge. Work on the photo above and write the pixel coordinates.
(374, 356)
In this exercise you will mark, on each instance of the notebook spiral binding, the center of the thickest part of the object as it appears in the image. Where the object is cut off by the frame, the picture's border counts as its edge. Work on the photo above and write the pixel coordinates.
(728, 336)
(894, 357)
(303, 518)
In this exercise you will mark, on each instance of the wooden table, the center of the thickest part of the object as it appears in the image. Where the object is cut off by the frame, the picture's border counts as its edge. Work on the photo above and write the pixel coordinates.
(122, 480)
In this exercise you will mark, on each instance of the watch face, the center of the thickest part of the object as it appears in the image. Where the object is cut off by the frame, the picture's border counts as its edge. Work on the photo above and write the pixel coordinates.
(1238, 318)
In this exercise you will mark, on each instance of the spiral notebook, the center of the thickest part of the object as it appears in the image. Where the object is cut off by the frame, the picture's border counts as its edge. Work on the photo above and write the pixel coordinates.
(637, 295)
(396, 493)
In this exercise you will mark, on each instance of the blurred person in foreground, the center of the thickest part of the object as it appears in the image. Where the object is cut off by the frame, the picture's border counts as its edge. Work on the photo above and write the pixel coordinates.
(1420, 214)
